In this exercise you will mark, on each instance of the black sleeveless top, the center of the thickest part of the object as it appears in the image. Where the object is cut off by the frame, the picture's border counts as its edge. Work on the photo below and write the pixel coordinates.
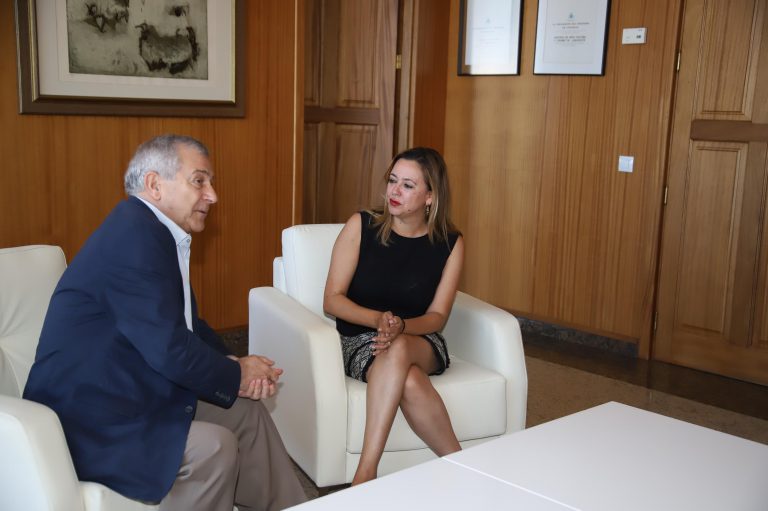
(401, 277)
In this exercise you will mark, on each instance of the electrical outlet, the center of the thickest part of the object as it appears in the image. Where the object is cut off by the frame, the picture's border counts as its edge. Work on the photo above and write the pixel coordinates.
(626, 163)
(633, 36)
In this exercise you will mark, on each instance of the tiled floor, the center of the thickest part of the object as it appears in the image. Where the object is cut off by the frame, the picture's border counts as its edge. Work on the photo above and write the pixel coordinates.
(562, 381)
(564, 378)
(580, 377)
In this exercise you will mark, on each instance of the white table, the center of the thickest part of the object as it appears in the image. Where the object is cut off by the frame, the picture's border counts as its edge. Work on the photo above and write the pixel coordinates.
(616, 457)
(435, 484)
(611, 457)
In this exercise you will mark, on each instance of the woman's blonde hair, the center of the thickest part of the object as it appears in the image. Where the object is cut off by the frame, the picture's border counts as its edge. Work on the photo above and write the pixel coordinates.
(435, 172)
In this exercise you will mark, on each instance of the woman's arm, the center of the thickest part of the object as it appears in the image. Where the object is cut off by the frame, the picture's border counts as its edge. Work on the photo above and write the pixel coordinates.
(438, 311)
(344, 260)
(344, 257)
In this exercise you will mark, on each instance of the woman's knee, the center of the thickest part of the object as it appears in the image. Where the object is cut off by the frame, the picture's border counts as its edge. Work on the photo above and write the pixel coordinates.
(398, 352)
(416, 383)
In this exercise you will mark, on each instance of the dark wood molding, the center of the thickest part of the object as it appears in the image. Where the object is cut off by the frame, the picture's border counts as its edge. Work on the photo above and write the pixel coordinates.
(341, 115)
(729, 131)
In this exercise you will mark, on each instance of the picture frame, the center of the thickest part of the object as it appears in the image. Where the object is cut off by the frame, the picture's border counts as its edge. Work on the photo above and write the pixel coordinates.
(154, 58)
(571, 37)
(490, 36)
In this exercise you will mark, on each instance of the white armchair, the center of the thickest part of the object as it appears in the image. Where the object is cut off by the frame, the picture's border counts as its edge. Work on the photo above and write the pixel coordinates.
(36, 470)
(320, 412)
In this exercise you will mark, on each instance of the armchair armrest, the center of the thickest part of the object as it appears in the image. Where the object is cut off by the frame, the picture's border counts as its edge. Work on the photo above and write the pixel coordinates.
(485, 335)
(98, 497)
(310, 407)
(36, 470)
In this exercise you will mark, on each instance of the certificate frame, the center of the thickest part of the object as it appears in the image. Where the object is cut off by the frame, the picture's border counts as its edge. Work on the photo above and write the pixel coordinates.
(47, 84)
(490, 36)
(571, 37)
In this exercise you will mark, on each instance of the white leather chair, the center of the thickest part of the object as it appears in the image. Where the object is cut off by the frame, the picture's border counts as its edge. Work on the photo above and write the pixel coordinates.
(36, 470)
(320, 412)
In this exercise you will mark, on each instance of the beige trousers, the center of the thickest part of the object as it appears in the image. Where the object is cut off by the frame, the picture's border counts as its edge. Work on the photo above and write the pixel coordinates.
(235, 456)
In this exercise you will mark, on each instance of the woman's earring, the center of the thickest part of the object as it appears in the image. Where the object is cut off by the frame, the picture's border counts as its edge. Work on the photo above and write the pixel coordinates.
(427, 209)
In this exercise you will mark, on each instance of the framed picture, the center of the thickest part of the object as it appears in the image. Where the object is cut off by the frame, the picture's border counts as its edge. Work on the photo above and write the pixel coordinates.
(489, 37)
(129, 57)
(571, 37)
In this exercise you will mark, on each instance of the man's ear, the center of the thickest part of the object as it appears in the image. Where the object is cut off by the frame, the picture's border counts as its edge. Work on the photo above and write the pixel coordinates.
(152, 184)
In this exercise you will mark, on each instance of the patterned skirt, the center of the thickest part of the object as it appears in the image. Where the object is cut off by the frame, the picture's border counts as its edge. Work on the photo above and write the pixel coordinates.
(358, 353)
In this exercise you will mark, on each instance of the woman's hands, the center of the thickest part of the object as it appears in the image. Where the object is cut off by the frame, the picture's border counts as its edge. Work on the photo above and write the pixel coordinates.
(388, 327)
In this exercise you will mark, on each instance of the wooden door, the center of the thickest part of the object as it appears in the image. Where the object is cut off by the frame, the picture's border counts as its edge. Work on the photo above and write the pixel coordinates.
(349, 104)
(713, 288)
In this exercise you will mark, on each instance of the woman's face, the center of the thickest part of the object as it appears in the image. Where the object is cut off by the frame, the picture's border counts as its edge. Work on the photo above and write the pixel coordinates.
(407, 190)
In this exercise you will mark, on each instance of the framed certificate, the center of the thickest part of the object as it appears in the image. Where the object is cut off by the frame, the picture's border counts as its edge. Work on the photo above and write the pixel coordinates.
(489, 37)
(571, 37)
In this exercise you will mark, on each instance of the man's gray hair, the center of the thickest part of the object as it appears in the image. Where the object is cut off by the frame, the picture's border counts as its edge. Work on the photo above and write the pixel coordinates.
(158, 154)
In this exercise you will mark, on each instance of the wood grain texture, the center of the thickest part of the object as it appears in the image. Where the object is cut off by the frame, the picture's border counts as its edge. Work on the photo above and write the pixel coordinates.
(428, 80)
(351, 180)
(404, 82)
(63, 174)
(553, 230)
(313, 41)
(728, 59)
(709, 234)
(315, 114)
(729, 131)
(759, 337)
(711, 298)
(353, 126)
(311, 165)
(359, 45)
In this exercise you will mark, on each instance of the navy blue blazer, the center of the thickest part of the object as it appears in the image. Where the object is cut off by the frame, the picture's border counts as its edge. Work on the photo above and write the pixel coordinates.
(117, 362)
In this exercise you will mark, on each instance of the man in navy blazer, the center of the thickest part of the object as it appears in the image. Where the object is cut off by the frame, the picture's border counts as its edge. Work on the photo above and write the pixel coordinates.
(146, 392)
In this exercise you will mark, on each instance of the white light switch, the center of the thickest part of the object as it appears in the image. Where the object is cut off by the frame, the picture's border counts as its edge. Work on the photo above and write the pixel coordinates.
(626, 163)
(633, 36)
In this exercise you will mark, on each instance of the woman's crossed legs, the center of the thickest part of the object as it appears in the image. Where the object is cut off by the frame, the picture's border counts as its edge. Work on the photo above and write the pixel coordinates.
(399, 377)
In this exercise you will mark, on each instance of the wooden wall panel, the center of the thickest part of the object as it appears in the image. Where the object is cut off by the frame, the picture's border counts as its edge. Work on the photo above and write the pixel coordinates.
(553, 231)
(63, 174)
(311, 167)
(350, 184)
(358, 74)
(428, 78)
(759, 337)
(713, 207)
(729, 59)
(313, 39)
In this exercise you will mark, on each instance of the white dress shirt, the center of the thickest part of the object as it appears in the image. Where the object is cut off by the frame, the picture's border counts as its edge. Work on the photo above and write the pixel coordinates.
(183, 249)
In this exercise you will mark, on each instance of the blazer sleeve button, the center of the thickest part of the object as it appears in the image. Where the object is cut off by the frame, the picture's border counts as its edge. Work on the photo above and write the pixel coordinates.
(188, 409)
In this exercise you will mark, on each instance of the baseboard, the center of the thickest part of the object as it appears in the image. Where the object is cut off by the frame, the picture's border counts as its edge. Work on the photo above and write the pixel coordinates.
(577, 337)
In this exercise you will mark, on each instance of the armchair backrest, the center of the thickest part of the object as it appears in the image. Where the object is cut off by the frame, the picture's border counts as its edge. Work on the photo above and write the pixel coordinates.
(303, 268)
(28, 275)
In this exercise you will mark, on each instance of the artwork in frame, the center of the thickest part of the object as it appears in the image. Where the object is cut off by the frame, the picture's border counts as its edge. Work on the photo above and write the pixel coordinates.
(571, 37)
(131, 57)
(489, 37)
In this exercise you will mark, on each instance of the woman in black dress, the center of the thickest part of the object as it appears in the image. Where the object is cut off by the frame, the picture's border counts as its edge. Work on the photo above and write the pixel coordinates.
(391, 286)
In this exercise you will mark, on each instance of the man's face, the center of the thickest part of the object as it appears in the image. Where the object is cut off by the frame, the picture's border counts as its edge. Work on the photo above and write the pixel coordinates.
(187, 198)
